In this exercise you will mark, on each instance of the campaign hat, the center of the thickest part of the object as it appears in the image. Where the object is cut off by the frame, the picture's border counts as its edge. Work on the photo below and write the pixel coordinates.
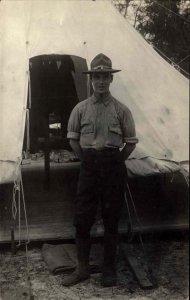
(101, 64)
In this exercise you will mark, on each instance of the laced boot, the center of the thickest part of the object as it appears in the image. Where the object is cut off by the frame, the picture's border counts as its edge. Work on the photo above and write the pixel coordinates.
(82, 271)
(109, 275)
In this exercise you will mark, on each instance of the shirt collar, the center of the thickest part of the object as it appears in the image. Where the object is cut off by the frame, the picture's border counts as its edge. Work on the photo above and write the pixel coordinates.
(105, 100)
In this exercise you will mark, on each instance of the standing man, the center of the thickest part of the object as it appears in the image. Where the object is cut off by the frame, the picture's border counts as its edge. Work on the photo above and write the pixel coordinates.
(98, 127)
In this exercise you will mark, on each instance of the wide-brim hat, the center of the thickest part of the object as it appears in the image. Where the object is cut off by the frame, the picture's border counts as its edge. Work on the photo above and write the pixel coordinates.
(101, 64)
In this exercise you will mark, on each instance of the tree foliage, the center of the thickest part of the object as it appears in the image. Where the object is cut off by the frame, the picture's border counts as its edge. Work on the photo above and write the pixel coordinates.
(164, 24)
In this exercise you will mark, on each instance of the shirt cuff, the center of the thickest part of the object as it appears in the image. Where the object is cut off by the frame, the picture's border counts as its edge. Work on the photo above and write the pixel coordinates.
(131, 140)
(73, 135)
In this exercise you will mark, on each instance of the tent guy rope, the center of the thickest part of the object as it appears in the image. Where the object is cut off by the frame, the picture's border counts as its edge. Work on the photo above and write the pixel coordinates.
(166, 8)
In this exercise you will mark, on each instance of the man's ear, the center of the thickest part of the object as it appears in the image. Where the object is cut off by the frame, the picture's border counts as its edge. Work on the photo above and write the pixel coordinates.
(111, 77)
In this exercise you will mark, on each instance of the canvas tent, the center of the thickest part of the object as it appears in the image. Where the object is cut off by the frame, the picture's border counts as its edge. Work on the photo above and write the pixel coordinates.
(155, 92)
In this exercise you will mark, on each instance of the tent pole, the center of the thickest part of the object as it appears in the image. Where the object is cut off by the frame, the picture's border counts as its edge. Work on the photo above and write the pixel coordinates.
(46, 153)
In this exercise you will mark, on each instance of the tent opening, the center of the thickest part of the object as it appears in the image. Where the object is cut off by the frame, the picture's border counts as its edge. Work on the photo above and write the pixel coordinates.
(56, 86)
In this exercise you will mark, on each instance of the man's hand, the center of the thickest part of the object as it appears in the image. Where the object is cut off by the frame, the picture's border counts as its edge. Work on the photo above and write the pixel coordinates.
(75, 145)
(127, 150)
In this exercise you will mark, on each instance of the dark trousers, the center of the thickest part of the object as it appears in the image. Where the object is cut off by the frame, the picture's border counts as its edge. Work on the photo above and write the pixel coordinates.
(101, 178)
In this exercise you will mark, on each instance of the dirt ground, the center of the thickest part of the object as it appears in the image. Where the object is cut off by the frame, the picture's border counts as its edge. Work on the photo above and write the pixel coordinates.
(168, 258)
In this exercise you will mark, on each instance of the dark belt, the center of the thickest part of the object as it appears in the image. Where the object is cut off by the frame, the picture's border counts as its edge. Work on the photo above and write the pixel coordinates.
(102, 150)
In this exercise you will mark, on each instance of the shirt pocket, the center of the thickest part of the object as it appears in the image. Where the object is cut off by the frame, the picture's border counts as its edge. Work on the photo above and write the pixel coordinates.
(87, 128)
(114, 135)
(115, 129)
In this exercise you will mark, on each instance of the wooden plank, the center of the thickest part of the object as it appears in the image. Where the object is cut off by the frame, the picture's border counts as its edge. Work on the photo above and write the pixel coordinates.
(138, 267)
(50, 229)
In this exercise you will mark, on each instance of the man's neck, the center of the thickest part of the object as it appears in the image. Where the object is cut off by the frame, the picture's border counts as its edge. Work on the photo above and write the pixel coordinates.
(101, 96)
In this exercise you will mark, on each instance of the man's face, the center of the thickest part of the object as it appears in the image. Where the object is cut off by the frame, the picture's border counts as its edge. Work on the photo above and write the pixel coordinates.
(101, 82)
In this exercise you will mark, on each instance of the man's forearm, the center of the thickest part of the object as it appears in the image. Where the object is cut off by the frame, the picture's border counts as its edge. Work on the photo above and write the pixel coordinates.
(127, 150)
(75, 145)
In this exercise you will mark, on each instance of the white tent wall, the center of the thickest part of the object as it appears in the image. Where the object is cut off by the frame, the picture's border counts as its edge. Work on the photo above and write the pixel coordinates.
(13, 88)
(156, 92)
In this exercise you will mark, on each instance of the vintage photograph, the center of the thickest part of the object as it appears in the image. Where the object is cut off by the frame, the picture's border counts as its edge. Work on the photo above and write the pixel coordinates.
(94, 149)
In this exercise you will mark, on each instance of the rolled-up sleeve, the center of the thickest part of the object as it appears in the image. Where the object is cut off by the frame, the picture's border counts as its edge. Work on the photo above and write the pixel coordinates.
(128, 128)
(73, 128)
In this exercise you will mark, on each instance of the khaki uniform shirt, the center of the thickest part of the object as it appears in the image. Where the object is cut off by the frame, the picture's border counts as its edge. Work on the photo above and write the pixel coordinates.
(104, 123)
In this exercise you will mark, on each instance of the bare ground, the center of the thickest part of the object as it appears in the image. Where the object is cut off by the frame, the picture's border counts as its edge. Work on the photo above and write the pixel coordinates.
(168, 257)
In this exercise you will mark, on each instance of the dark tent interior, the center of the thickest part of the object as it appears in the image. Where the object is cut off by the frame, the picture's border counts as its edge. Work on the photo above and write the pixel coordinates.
(53, 96)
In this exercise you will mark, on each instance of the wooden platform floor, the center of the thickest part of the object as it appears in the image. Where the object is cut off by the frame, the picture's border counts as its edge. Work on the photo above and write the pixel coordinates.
(160, 204)
(65, 230)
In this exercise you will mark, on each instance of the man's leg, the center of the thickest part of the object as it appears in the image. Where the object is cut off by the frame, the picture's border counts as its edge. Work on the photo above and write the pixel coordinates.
(82, 271)
(112, 202)
(109, 277)
(85, 210)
